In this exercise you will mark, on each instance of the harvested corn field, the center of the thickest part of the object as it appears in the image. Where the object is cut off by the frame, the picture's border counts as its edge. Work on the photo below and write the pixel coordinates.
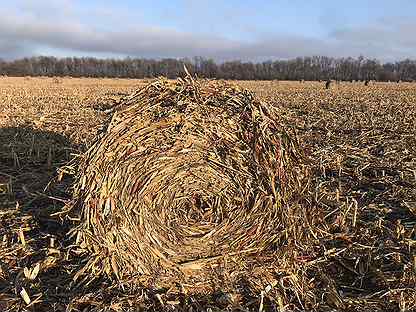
(355, 250)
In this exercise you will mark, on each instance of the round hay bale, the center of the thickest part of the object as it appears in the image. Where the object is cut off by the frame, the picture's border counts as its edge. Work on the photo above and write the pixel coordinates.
(187, 172)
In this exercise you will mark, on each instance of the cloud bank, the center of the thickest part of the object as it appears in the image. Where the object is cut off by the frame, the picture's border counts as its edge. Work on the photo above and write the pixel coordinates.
(29, 32)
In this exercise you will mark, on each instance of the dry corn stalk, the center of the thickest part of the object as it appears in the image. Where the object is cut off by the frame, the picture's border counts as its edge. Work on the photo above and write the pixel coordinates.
(187, 172)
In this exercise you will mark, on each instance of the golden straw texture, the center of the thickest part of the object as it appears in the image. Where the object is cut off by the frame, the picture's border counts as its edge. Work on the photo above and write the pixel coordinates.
(187, 172)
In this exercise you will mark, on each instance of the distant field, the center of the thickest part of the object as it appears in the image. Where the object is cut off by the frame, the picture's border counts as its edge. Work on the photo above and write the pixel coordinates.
(66, 105)
(361, 144)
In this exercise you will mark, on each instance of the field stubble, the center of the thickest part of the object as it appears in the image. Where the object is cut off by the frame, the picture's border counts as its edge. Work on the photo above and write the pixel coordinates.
(361, 144)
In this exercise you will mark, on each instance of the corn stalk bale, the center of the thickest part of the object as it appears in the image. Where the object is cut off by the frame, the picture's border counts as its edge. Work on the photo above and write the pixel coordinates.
(186, 173)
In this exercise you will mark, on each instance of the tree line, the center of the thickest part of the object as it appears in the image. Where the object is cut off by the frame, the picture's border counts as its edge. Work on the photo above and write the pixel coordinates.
(301, 68)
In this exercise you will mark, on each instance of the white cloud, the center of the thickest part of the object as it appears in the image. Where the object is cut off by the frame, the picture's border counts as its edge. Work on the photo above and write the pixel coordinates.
(23, 32)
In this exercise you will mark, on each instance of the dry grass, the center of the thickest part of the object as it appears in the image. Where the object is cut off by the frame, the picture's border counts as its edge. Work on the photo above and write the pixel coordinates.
(361, 144)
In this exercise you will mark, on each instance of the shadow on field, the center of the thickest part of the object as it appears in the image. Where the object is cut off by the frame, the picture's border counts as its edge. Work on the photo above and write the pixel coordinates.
(32, 240)
(28, 161)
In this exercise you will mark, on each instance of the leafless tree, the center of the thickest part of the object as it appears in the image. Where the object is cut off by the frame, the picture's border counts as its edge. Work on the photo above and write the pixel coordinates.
(317, 68)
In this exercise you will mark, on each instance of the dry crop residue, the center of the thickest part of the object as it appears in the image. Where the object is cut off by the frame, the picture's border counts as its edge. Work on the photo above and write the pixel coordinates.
(361, 145)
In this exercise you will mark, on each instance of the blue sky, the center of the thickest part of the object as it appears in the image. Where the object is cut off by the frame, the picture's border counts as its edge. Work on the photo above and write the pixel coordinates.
(223, 30)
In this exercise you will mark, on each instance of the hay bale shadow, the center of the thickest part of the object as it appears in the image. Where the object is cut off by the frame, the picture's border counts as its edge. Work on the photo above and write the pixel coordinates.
(32, 239)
